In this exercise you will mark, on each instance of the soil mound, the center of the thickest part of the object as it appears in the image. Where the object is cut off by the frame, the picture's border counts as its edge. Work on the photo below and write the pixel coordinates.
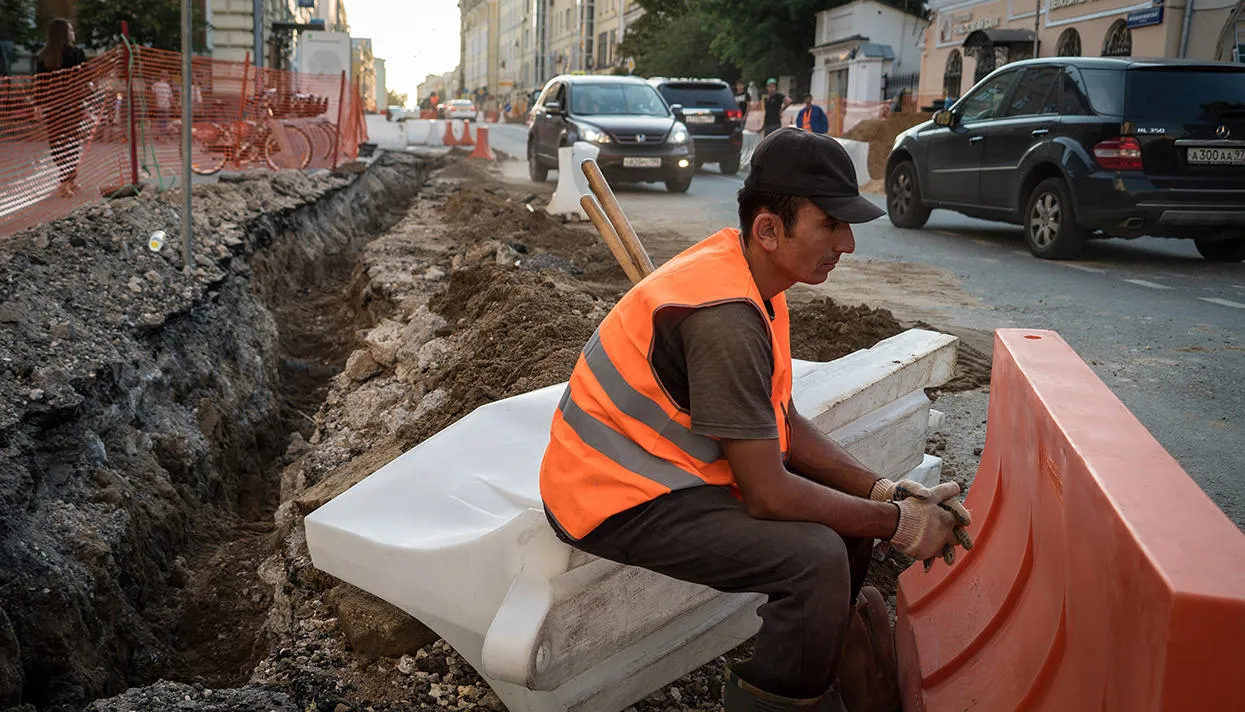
(823, 331)
(880, 135)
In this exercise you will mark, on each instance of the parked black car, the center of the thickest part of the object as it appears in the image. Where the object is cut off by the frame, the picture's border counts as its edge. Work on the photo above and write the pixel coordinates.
(639, 138)
(1073, 148)
(707, 107)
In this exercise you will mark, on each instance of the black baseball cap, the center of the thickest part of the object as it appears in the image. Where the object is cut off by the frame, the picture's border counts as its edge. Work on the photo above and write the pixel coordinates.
(792, 161)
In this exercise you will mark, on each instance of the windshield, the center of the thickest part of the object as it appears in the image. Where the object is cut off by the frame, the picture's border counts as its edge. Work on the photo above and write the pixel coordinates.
(699, 95)
(616, 100)
(1184, 95)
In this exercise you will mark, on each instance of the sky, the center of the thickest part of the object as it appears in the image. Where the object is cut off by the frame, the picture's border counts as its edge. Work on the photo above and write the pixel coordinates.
(414, 37)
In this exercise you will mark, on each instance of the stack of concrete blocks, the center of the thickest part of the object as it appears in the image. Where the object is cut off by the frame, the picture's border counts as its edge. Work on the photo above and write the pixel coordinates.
(453, 533)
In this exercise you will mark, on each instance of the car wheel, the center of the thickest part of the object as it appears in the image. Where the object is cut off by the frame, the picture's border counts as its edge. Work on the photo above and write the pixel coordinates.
(903, 198)
(1222, 250)
(679, 185)
(535, 171)
(729, 166)
(1051, 230)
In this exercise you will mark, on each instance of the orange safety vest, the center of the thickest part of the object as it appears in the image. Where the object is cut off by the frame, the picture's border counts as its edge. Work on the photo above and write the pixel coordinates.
(618, 439)
(806, 122)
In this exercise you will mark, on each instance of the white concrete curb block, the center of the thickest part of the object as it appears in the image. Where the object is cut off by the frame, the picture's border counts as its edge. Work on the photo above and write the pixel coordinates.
(454, 533)
(859, 152)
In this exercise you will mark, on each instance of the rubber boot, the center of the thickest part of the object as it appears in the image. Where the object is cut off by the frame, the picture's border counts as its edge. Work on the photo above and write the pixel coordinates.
(868, 667)
(739, 695)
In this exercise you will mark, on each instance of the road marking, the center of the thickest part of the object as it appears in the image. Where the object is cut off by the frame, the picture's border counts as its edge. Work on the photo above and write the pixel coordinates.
(1083, 268)
(1223, 302)
(1144, 283)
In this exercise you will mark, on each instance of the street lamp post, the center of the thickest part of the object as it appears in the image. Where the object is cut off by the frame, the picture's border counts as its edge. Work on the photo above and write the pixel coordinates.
(188, 236)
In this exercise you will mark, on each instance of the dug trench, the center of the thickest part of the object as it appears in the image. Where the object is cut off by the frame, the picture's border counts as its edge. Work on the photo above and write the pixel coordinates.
(348, 339)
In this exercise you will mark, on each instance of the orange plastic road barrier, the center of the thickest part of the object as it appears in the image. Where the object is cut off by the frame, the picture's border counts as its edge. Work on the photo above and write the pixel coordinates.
(466, 139)
(1102, 578)
(449, 138)
(483, 150)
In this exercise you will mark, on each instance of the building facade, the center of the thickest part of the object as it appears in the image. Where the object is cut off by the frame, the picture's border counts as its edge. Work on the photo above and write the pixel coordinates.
(382, 91)
(866, 51)
(968, 39)
(230, 28)
(363, 69)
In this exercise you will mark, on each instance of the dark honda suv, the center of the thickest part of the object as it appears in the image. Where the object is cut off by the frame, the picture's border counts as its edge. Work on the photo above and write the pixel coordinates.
(1073, 148)
(707, 107)
(639, 138)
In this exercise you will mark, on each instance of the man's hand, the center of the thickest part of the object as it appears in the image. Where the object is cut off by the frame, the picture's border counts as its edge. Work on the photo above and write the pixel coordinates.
(886, 491)
(930, 525)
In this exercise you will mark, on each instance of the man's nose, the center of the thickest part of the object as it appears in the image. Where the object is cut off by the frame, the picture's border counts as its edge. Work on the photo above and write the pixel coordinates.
(845, 241)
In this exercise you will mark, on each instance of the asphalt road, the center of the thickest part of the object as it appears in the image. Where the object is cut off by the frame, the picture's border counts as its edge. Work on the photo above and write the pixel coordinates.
(1163, 328)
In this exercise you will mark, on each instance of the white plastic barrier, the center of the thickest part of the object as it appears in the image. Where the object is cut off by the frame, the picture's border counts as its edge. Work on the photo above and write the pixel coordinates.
(390, 135)
(859, 152)
(572, 183)
(417, 131)
(436, 134)
(751, 139)
(453, 532)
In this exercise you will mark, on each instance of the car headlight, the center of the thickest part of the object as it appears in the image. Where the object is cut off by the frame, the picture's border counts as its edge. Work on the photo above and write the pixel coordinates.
(593, 135)
(678, 134)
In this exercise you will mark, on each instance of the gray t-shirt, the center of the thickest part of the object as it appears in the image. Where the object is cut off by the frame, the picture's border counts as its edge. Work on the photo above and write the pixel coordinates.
(718, 363)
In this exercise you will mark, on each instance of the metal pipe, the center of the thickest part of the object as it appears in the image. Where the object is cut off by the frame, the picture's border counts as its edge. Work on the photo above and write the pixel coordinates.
(1037, 17)
(258, 12)
(1184, 29)
(188, 235)
(610, 236)
(129, 99)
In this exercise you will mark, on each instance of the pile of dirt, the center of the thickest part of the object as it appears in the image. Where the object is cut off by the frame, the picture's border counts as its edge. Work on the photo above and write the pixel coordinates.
(880, 135)
(823, 331)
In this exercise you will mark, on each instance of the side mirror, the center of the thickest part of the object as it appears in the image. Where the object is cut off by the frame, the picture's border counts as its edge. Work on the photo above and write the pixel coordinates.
(944, 118)
(553, 107)
(676, 108)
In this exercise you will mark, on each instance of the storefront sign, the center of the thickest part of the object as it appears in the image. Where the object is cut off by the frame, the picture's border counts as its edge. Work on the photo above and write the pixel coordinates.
(1146, 17)
(960, 24)
(1060, 4)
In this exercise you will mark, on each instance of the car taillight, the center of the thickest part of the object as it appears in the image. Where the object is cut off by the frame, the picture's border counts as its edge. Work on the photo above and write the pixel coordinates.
(1119, 154)
(734, 114)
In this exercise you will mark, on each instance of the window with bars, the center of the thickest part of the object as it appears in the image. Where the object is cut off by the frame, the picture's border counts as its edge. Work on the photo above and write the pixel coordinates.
(953, 76)
(1119, 41)
(1069, 44)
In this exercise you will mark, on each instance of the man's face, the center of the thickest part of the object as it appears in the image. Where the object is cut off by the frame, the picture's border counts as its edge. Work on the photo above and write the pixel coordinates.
(812, 247)
(771, 88)
(808, 101)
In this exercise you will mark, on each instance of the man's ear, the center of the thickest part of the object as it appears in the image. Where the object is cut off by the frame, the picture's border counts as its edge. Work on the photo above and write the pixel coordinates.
(767, 228)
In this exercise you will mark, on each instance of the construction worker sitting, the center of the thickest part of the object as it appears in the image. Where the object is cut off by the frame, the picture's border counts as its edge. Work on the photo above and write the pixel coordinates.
(677, 448)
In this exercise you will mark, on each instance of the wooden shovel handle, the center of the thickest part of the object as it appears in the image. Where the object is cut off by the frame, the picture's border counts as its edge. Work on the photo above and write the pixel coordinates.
(601, 188)
(610, 237)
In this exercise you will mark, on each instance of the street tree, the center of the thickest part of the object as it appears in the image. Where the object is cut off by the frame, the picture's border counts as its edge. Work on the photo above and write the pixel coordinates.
(153, 23)
(766, 38)
(393, 98)
(674, 38)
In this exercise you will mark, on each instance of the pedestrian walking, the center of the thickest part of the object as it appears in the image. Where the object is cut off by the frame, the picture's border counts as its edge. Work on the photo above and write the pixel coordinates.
(163, 93)
(811, 117)
(58, 97)
(741, 97)
(775, 103)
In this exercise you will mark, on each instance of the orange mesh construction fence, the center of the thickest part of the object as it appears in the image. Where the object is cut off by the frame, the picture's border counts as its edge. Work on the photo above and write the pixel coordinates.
(65, 136)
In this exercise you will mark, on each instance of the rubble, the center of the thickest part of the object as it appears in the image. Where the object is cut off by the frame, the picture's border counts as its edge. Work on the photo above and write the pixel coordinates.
(178, 441)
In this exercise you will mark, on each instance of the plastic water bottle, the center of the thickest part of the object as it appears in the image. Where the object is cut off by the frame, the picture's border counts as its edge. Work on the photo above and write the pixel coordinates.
(156, 241)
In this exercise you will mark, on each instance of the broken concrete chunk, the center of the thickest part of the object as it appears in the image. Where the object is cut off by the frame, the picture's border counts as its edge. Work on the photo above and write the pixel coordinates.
(375, 628)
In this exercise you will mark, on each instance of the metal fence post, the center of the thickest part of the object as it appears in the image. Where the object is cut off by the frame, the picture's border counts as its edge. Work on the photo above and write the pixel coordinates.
(188, 228)
(246, 69)
(341, 102)
(129, 98)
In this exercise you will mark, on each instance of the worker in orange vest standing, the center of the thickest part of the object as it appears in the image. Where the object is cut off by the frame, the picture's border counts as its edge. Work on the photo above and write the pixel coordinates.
(811, 117)
(677, 448)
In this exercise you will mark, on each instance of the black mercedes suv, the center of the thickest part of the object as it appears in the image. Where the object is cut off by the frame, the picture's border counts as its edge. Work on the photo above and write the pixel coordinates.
(1076, 147)
(639, 138)
(707, 107)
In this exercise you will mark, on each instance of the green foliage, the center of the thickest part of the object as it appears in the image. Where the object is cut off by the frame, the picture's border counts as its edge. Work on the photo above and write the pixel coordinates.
(393, 98)
(153, 23)
(15, 22)
(767, 38)
(673, 39)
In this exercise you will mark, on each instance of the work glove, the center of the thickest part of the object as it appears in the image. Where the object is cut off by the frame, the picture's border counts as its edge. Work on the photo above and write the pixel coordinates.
(932, 524)
(885, 490)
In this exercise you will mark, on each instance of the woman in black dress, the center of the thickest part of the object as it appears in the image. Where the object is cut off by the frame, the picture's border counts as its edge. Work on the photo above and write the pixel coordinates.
(60, 99)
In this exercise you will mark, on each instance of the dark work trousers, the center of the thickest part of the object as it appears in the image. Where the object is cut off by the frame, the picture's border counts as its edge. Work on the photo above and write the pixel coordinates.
(768, 129)
(810, 574)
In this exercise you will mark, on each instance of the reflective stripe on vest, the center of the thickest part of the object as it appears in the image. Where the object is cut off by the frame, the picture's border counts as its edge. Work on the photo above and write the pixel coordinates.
(618, 438)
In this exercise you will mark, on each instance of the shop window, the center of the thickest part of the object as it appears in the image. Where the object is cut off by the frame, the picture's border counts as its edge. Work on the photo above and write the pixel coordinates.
(1069, 44)
(954, 75)
(1119, 42)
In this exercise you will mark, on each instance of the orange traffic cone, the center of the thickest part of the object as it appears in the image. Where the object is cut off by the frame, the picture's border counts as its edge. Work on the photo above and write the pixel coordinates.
(449, 139)
(482, 148)
(466, 139)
